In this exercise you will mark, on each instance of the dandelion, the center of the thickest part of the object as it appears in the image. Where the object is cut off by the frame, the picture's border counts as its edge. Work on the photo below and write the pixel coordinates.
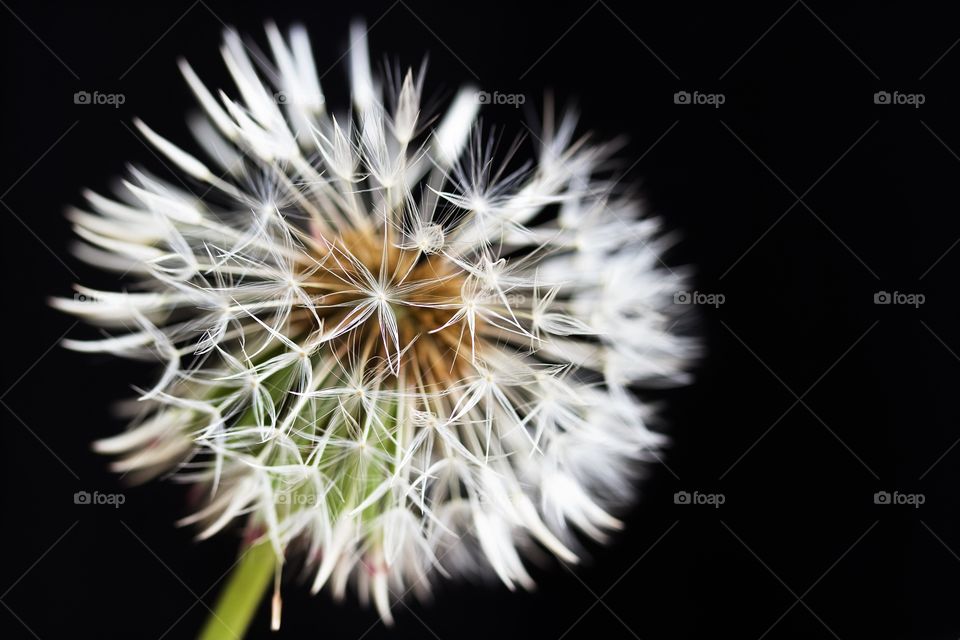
(387, 355)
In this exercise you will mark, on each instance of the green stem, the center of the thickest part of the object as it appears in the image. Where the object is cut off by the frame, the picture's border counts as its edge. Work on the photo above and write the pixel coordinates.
(239, 600)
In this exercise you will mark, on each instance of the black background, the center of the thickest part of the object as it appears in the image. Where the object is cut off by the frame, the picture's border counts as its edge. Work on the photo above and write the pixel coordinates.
(798, 199)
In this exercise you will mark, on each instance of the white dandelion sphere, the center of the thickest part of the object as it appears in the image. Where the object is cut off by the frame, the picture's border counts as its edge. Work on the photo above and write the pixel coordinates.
(387, 353)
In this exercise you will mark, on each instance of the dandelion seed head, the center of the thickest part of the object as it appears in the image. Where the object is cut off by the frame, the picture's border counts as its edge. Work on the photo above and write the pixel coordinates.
(383, 351)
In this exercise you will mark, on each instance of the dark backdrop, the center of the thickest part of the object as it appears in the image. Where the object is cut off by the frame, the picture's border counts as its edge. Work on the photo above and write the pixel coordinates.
(798, 200)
